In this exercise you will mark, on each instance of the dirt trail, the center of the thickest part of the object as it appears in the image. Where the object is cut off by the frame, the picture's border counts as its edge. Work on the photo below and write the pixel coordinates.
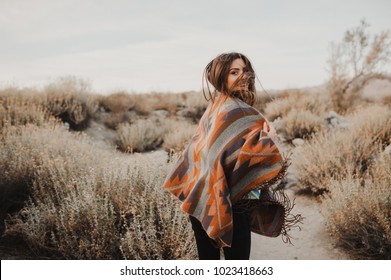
(310, 243)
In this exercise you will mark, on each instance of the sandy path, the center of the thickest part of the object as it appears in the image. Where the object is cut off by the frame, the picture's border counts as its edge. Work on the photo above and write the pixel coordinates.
(310, 243)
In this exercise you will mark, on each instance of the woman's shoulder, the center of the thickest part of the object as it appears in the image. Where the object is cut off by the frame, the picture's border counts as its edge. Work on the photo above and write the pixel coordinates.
(233, 103)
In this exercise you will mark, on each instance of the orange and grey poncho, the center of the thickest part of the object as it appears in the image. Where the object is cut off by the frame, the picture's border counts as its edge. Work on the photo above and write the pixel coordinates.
(228, 156)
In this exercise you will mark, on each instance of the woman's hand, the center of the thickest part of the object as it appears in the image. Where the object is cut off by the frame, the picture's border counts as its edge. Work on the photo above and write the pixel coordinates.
(270, 131)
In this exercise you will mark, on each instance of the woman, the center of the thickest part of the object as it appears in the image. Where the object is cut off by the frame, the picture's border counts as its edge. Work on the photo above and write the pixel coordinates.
(223, 177)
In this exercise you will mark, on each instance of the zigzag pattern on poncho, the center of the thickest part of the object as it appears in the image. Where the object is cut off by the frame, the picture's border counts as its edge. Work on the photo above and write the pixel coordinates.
(228, 156)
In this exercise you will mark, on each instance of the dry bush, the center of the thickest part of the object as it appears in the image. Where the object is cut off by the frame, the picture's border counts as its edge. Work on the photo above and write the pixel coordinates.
(24, 150)
(140, 136)
(118, 102)
(300, 101)
(142, 104)
(68, 85)
(337, 152)
(178, 135)
(66, 99)
(195, 105)
(263, 98)
(169, 102)
(22, 111)
(353, 62)
(116, 109)
(195, 99)
(27, 93)
(359, 213)
(123, 108)
(374, 121)
(300, 124)
(69, 98)
(386, 100)
(113, 120)
(157, 228)
(85, 204)
(74, 109)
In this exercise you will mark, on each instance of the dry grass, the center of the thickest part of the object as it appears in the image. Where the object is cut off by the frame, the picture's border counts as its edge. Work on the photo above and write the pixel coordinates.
(74, 109)
(21, 111)
(359, 213)
(195, 105)
(161, 229)
(141, 136)
(83, 203)
(300, 124)
(338, 152)
(118, 102)
(72, 104)
(178, 135)
(300, 101)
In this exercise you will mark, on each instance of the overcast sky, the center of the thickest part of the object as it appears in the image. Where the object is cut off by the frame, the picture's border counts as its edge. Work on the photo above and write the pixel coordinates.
(141, 45)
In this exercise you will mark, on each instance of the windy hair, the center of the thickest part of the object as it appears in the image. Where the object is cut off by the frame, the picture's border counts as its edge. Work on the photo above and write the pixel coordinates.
(216, 74)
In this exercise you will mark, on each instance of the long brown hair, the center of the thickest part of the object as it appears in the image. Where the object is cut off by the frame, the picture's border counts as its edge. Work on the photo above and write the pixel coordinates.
(216, 73)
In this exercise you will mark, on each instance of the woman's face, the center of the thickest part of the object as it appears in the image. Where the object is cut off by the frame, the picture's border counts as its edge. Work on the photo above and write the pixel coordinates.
(237, 70)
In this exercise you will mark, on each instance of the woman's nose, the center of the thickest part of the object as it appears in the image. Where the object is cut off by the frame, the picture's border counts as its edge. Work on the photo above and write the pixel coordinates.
(248, 75)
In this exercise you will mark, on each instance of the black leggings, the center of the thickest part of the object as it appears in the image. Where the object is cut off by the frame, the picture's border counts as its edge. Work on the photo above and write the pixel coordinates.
(241, 242)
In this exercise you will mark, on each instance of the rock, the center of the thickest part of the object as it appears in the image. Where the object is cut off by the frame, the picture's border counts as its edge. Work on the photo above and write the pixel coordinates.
(336, 120)
(387, 150)
(160, 113)
(298, 142)
(333, 118)
(344, 125)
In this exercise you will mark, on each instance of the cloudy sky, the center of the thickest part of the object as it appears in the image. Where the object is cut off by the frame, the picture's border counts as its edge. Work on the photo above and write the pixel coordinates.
(150, 45)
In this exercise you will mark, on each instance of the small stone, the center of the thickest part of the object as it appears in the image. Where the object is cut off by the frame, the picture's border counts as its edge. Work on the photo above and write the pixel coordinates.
(161, 113)
(387, 150)
(298, 142)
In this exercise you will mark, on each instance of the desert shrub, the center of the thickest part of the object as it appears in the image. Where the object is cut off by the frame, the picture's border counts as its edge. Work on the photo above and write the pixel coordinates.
(315, 103)
(84, 204)
(263, 98)
(70, 99)
(156, 225)
(74, 109)
(68, 85)
(359, 213)
(177, 135)
(21, 111)
(373, 120)
(333, 152)
(143, 104)
(118, 102)
(195, 105)
(169, 102)
(25, 150)
(140, 136)
(113, 120)
(66, 99)
(122, 108)
(300, 124)
(353, 62)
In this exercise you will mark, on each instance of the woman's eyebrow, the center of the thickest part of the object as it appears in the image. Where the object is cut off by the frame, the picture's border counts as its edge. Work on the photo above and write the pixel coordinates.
(234, 69)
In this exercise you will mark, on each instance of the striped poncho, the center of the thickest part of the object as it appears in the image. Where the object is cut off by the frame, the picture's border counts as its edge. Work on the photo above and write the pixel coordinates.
(228, 156)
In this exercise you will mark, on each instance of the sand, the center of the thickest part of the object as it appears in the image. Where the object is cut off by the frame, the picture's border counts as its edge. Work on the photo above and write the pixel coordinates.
(312, 242)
